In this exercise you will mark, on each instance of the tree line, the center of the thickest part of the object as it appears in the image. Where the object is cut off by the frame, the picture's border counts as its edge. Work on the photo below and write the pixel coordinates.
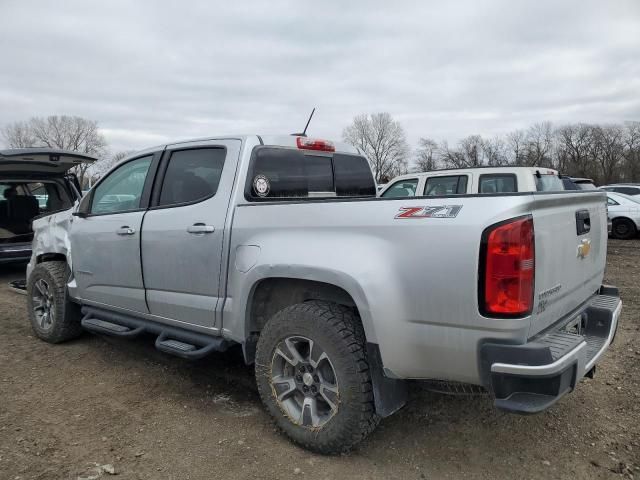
(64, 132)
(605, 153)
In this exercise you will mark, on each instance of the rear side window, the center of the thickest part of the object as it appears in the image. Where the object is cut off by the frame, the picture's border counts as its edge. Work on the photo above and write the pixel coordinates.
(402, 188)
(611, 201)
(627, 190)
(548, 183)
(192, 175)
(449, 185)
(498, 183)
(289, 173)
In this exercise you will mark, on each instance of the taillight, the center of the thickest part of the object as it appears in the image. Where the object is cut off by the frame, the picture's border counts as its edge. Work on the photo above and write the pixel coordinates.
(315, 144)
(507, 269)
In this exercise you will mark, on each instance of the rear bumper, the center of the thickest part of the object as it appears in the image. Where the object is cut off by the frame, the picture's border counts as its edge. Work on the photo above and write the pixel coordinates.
(530, 378)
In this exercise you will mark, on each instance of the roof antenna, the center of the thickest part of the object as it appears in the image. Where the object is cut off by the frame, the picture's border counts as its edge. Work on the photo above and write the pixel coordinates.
(304, 132)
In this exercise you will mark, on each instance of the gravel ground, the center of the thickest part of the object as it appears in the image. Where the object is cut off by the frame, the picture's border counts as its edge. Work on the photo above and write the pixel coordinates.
(98, 406)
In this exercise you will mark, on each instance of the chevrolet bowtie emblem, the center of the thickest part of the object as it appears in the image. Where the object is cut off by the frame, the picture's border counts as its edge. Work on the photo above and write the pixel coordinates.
(584, 248)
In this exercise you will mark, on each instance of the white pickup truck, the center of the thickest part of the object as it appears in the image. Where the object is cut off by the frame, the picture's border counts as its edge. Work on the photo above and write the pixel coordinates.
(279, 245)
(487, 180)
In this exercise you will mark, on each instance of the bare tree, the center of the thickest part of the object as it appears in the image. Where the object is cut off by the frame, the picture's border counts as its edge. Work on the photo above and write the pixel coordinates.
(607, 148)
(495, 152)
(64, 132)
(516, 144)
(18, 135)
(383, 141)
(575, 143)
(539, 145)
(426, 155)
(631, 169)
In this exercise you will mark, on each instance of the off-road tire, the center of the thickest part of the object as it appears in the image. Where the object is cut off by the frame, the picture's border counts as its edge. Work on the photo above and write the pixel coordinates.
(340, 334)
(66, 323)
(624, 229)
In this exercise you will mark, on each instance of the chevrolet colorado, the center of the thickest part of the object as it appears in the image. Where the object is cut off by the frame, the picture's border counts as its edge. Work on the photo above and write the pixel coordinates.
(279, 244)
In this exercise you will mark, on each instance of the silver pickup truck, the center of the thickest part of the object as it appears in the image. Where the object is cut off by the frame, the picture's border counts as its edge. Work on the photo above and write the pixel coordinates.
(277, 244)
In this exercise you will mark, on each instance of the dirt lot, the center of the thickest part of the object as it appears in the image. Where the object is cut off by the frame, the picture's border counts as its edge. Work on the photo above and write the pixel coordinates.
(95, 401)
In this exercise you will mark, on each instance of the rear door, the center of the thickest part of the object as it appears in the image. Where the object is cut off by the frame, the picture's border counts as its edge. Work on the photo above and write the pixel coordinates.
(571, 247)
(183, 232)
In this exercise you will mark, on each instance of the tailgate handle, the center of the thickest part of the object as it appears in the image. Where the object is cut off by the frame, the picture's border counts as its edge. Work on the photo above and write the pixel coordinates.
(583, 222)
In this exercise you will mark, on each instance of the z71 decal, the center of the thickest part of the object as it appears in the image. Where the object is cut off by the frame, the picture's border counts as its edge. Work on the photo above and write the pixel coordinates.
(439, 211)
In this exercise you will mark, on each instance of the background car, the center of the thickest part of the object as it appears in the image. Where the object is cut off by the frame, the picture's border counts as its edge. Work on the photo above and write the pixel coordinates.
(632, 189)
(33, 182)
(577, 183)
(624, 212)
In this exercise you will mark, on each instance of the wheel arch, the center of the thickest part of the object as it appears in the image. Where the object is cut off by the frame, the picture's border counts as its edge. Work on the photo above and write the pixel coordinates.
(269, 295)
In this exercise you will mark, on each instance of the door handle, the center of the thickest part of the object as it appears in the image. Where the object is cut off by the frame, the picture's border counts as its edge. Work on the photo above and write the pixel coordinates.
(201, 228)
(126, 230)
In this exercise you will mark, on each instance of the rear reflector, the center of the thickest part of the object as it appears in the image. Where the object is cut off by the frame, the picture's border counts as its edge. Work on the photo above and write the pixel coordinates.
(507, 269)
(315, 144)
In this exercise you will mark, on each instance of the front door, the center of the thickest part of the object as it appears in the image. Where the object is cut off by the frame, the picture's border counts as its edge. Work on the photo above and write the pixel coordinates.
(105, 245)
(183, 231)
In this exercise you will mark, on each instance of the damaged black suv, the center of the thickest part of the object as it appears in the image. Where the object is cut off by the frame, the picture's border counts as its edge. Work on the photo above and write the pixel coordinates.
(33, 182)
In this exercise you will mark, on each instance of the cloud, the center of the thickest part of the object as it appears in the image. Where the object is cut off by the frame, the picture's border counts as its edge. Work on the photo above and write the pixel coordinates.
(152, 71)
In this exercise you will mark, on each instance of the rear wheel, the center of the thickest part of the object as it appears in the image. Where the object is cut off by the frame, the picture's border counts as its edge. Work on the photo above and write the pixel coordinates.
(624, 228)
(54, 318)
(313, 376)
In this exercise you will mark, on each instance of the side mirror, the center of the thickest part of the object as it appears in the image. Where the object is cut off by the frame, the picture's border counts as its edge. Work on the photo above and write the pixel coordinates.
(84, 207)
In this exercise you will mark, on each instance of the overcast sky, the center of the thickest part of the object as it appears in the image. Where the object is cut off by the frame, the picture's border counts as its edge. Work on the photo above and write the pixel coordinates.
(149, 73)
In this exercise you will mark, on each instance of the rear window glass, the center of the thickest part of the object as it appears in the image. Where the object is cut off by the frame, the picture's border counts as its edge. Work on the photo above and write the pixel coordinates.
(450, 185)
(498, 183)
(290, 173)
(548, 183)
(353, 176)
(402, 188)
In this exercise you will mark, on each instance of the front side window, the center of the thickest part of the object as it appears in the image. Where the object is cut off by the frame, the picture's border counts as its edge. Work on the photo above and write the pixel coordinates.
(449, 185)
(497, 183)
(402, 188)
(192, 175)
(122, 189)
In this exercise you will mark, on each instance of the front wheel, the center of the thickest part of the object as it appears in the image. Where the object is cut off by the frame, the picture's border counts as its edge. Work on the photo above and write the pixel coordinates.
(313, 376)
(54, 318)
(624, 229)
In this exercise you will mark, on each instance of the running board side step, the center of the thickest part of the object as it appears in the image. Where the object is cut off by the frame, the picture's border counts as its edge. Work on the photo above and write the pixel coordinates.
(175, 341)
(107, 328)
(187, 350)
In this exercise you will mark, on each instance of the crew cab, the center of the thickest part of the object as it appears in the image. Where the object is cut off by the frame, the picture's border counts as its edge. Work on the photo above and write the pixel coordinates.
(479, 180)
(33, 182)
(278, 245)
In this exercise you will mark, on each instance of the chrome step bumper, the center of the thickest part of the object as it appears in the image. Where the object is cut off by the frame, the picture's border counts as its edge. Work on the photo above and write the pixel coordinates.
(530, 378)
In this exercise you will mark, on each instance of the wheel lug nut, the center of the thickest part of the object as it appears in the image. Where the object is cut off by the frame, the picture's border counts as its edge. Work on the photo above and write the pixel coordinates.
(305, 389)
(314, 389)
(316, 378)
(302, 369)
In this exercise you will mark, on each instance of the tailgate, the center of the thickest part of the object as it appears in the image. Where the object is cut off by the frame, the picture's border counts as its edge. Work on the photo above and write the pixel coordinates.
(571, 250)
(41, 161)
